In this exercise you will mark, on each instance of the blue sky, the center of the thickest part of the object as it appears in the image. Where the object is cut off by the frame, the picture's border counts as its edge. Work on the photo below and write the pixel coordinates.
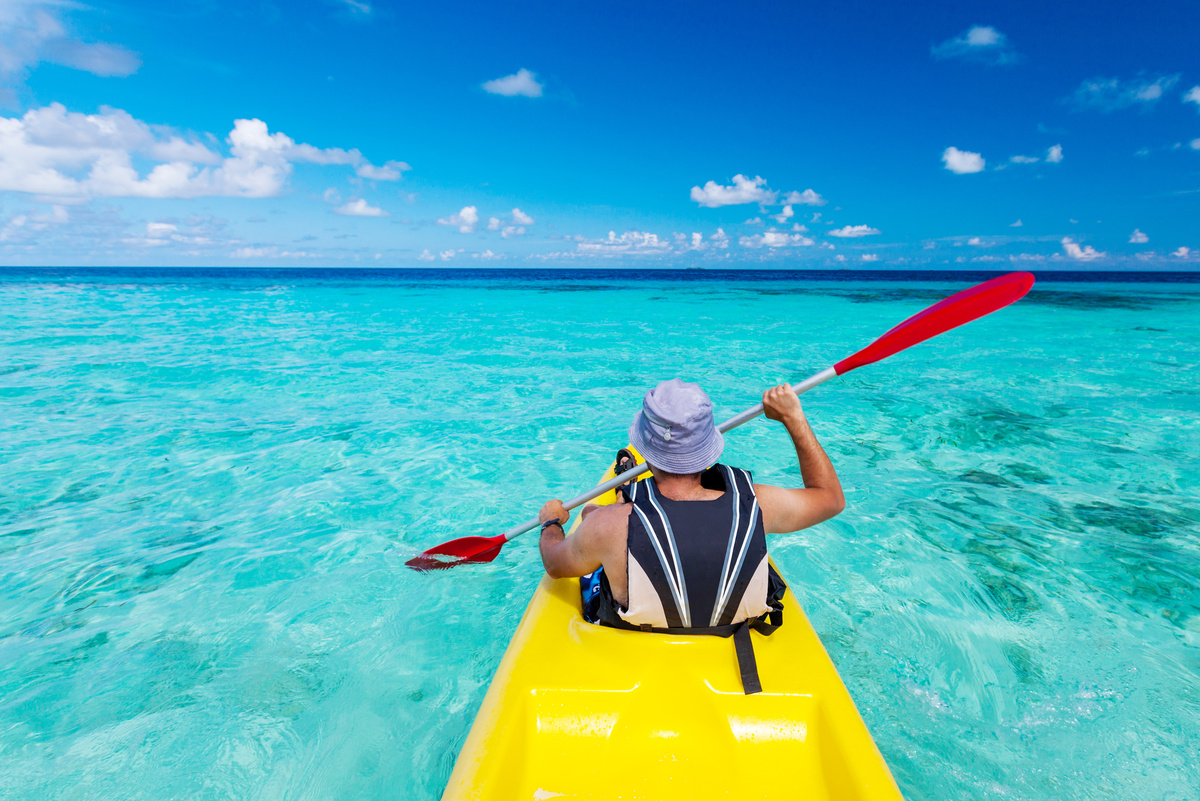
(362, 132)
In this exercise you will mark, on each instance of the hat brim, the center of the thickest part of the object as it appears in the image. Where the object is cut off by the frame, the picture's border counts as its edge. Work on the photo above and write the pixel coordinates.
(694, 461)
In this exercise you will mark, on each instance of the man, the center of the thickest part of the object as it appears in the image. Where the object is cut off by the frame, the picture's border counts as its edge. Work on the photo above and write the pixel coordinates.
(688, 548)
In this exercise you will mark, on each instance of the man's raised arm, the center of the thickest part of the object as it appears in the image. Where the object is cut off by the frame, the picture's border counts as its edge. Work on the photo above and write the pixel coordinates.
(821, 498)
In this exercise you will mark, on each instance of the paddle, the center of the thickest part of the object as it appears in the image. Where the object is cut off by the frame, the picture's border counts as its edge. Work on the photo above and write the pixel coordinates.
(959, 308)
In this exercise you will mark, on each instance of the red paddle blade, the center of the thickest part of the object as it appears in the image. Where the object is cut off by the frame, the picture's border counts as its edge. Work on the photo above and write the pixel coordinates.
(961, 307)
(457, 552)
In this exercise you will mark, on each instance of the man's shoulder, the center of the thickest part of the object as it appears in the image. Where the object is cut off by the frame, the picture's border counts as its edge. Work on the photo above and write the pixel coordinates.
(609, 520)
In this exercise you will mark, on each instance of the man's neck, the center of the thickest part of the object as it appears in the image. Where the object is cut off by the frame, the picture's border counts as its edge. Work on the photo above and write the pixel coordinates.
(679, 488)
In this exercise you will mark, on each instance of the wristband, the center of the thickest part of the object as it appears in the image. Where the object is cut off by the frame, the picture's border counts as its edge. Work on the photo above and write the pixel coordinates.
(552, 523)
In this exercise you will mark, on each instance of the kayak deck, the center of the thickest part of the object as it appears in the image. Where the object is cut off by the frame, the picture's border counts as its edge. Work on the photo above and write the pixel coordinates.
(578, 710)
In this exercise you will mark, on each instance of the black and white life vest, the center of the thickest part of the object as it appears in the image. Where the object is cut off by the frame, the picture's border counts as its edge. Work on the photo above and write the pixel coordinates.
(697, 567)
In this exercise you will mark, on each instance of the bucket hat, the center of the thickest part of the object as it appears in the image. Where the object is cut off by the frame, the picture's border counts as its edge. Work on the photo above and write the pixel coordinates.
(674, 430)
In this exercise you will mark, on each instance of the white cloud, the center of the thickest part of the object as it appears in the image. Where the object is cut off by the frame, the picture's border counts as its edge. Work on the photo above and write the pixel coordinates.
(466, 219)
(743, 190)
(1017, 224)
(1138, 238)
(628, 242)
(870, 257)
(1081, 254)
(1192, 96)
(805, 198)
(447, 255)
(784, 215)
(426, 255)
(271, 252)
(1111, 94)
(774, 239)
(1182, 252)
(853, 231)
(1054, 154)
(390, 171)
(981, 43)
(486, 255)
(975, 241)
(358, 6)
(357, 207)
(1023, 159)
(696, 242)
(519, 220)
(962, 162)
(32, 31)
(523, 83)
(160, 229)
(1195, 144)
(54, 153)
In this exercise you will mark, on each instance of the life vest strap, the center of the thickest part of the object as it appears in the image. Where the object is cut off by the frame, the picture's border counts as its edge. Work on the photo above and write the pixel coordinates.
(600, 610)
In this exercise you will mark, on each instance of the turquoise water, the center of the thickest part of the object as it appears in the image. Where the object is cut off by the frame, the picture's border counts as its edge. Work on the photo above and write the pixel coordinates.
(209, 483)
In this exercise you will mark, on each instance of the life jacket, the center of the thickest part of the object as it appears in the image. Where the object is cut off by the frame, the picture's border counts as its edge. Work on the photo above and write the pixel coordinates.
(696, 567)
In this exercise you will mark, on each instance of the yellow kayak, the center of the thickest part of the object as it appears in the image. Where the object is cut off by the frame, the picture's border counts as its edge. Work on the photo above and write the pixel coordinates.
(578, 710)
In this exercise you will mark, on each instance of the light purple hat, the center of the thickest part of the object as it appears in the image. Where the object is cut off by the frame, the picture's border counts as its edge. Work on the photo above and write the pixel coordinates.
(674, 430)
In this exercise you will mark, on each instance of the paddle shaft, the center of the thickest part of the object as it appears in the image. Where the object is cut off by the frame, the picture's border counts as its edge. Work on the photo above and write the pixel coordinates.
(633, 472)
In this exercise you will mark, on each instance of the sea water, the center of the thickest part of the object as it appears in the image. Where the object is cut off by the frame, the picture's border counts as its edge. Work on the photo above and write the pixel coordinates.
(210, 481)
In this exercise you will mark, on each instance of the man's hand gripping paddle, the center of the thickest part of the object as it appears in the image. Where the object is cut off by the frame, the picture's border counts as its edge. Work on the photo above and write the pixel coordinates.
(959, 308)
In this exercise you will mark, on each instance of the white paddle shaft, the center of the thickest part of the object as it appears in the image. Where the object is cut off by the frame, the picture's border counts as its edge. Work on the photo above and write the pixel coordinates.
(633, 472)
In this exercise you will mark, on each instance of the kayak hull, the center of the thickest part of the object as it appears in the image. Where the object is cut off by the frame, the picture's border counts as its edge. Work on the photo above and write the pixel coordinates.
(578, 710)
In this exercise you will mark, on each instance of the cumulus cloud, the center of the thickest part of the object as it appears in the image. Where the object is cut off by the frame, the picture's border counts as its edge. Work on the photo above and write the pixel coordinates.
(784, 215)
(32, 31)
(854, 231)
(55, 153)
(870, 257)
(962, 162)
(465, 220)
(1054, 154)
(523, 83)
(774, 239)
(390, 171)
(425, 255)
(1072, 249)
(271, 252)
(628, 242)
(1112, 94)
(1138, 238)
(806, 198)
(1182, 252)
(981, 43)
(743, 190)
(519, 220)
(1192, 96)
(357, 207)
